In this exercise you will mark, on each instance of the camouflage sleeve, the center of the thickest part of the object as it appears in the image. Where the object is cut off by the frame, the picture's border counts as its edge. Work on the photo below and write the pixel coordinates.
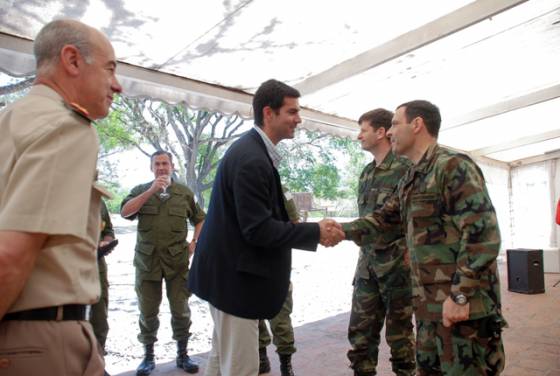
(382, 227)
(107, 229)
(472, 212)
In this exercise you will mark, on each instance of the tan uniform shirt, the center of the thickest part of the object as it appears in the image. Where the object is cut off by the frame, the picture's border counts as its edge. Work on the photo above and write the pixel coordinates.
(48, 157)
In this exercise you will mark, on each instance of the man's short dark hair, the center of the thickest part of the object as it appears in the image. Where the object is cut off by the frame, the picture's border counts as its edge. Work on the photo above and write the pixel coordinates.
(427, 111)
(377, 118)
(271, 93)
(161, 152)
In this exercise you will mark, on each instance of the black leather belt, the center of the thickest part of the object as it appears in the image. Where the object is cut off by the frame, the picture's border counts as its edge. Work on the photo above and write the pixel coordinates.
(65, 312)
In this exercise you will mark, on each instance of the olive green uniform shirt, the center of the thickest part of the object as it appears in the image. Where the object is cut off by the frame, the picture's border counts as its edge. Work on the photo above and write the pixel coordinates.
(161, 243)
(106, 230)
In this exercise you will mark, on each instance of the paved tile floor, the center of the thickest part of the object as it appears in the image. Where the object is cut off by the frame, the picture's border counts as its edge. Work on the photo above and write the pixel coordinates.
(532, 340)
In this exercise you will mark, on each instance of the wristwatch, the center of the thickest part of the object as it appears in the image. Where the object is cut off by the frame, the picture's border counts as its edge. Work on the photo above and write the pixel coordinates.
(459, 299)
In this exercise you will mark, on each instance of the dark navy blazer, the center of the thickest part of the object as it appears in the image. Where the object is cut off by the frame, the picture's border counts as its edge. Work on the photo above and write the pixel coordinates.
(243, 258)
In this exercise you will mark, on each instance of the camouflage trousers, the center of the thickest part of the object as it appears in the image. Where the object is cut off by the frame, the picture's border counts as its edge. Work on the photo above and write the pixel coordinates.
(469, 348)
(281, 327)
(99, 311)
(374, 302)
(149, 299)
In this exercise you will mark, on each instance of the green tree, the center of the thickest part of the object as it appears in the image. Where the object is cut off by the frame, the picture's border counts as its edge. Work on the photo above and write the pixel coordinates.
(354, 161)
(309, 166)
(195, 138)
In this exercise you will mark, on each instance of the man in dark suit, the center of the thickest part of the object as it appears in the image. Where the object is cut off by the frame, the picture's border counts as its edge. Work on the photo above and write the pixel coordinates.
(243, 256)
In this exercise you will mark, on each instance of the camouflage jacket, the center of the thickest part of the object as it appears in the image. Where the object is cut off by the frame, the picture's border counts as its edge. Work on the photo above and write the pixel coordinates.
(451, 232)
(377, 183)
(161, 240)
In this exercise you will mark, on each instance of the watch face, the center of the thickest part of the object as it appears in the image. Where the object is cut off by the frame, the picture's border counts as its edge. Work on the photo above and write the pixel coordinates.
(460, 299)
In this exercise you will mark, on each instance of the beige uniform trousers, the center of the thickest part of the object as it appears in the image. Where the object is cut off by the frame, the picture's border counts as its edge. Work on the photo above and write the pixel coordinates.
(61, 348)
(235, 346)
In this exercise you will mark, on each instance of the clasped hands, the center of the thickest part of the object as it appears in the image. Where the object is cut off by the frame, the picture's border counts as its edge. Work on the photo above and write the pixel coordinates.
(331, 232)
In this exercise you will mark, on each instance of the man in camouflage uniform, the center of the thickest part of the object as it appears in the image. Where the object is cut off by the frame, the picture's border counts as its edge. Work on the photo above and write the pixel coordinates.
(382, 288)
(162, 252)
(99, 310)
(281, 324)
(453, 238)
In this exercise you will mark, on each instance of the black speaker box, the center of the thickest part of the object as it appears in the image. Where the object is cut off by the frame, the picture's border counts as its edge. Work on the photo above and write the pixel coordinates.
(525, 270)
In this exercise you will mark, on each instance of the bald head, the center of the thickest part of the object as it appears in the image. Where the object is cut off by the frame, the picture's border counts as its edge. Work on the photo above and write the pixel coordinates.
(57, 34)
(79, 63)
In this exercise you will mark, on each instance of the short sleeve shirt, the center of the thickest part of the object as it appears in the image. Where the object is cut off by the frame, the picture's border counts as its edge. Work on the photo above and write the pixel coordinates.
(48, 157)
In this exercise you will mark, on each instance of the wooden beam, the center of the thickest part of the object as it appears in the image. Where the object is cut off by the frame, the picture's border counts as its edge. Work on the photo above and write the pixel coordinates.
(139, 81)
(426, 34)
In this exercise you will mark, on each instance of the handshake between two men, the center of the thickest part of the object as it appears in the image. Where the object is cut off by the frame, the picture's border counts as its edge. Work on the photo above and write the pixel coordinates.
(331, 232)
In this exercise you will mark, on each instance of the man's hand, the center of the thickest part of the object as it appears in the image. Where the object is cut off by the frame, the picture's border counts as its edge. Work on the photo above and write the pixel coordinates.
(159, 184)
(331, 232)
(104, 242)
(453, 312)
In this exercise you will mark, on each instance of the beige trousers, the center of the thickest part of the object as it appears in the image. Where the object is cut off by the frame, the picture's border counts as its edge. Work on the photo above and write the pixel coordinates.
(62, 348)
(235, 346)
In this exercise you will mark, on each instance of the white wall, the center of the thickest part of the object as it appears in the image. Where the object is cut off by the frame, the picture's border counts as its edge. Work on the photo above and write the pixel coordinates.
(497, 182)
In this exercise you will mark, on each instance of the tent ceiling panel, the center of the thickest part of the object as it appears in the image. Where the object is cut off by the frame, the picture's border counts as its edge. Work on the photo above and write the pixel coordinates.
(467, 70)
(490, 79)
(527, 151)
(237, 44)
(495, 132)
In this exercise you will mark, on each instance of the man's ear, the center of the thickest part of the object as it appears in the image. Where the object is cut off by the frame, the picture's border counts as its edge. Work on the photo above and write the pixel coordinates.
(418, 125)
(381, 133)
(267, 112)
(71, 59)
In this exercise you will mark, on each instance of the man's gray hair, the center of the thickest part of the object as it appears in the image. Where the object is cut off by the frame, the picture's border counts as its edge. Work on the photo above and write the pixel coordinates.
(55, 35)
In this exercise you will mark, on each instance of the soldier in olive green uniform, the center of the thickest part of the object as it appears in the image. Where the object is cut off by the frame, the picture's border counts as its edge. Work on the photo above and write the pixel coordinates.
(453, 237)
(162, 252)
(99, 310)
(281, 324)
(382, 289)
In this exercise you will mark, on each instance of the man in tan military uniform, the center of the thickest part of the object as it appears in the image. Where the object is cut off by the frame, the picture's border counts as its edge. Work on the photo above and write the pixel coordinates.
(162, 252)
(49, 205)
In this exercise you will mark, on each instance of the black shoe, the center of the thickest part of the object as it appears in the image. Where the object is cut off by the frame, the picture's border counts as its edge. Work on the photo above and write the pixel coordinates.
(264, 363)
(286, 365)
(148, 364)
(357, 373)
(105, 373)
(183, 360)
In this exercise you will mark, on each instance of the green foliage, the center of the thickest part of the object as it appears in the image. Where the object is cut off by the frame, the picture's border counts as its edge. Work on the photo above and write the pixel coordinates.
(114, 134)
(114, 204)
(326, 165)
(355, 160)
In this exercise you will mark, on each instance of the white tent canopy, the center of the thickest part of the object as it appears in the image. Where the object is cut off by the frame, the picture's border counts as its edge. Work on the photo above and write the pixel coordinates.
(491, 66)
